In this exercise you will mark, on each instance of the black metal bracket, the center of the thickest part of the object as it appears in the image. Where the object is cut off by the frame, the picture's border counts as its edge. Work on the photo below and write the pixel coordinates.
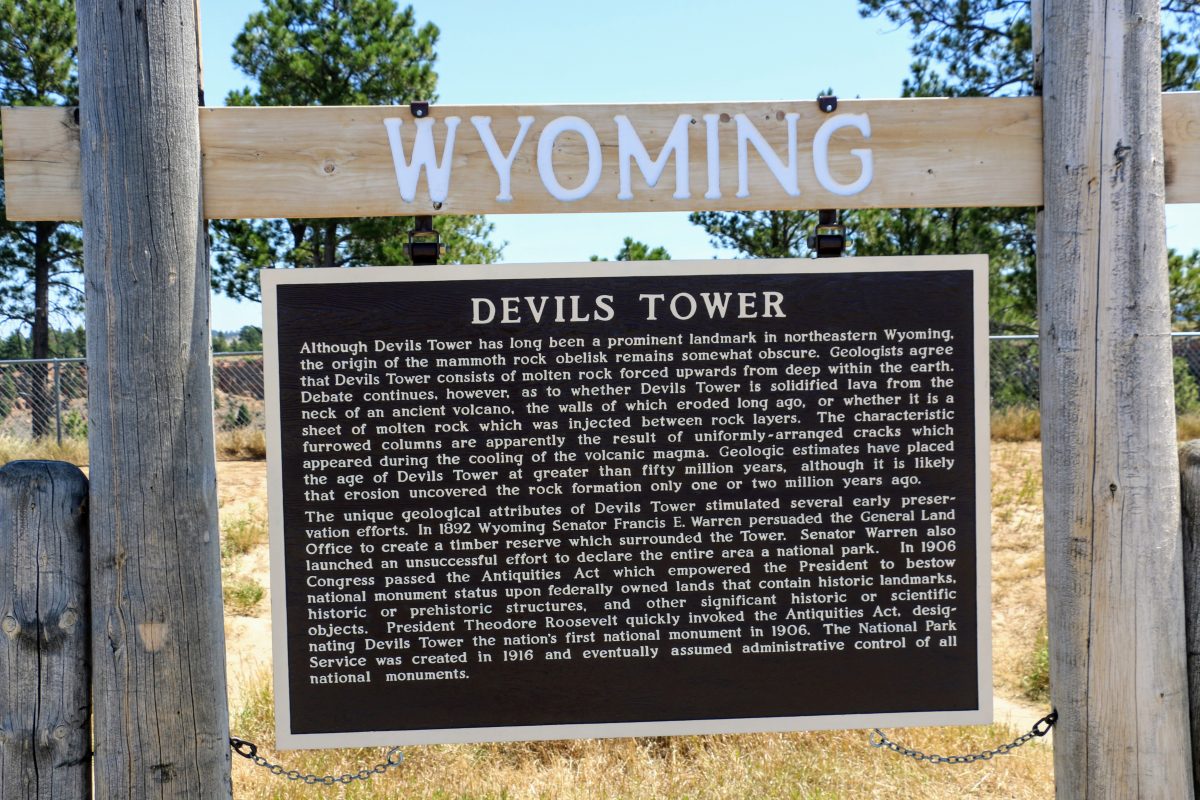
(424, 246)
(829, 239)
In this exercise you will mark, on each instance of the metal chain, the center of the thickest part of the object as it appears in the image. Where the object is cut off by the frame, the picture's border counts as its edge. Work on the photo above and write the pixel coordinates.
(1040, 728)
(250, 750)
(395, 758)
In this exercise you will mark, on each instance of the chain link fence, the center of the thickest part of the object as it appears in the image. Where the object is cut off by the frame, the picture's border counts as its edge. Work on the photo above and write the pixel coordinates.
(1015, 371)
(48, 398)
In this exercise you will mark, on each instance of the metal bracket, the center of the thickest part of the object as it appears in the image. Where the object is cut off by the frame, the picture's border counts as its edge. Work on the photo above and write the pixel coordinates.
(424, 246)
(829, 238)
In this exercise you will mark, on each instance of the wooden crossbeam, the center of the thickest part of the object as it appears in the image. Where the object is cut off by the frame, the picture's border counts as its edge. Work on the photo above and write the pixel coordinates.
(327, 161)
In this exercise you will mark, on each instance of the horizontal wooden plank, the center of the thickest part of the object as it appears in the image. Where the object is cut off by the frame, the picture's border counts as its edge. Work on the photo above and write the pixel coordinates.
(326, 161)
(1181, 141)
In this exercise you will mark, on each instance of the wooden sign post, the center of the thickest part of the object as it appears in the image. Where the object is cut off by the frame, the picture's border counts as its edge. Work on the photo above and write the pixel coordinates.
(1113, 548)
(161, 720)
(1107, 154)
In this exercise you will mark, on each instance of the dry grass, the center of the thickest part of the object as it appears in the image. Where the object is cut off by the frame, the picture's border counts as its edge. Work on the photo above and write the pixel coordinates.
(1018, 563)
(1187, 427)
(14, 448)
(237, 445)
(241, 444)
(835, 764)
(1016, 424)
(1024, 424)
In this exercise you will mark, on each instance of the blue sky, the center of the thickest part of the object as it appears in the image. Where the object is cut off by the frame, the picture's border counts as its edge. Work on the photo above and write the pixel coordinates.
(551, 51)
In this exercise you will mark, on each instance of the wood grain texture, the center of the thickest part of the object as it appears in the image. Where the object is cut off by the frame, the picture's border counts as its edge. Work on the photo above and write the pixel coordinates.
(1113, 554)
(1189, 487)
(161, 720)
(45, 636)
(326, 162)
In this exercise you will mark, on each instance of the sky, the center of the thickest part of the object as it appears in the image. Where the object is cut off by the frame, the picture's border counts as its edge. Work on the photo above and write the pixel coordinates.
(627, 51)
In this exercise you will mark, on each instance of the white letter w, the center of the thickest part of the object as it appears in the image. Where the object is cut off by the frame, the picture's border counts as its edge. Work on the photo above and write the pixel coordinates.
(408, 172)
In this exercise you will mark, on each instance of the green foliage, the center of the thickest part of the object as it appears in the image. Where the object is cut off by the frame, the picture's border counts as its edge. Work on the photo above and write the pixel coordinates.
(74, 425)
(247, 340)
(64, 343)
(1006, 235)
(334, 52)
(237, 417)
(971, 48)
(985, 47)
(14, 346)
(38, 259)
(758, 234)
(1187, 391)
(633, 250)
(8, 390)
(1183, 273)
(1037, 679)
(242, 534)
(37, 53)
(241, 595)
(1014, 374)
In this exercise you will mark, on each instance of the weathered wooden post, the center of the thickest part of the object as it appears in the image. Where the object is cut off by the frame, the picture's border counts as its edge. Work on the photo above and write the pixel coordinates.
(45, 638)
(1113, 554)
(161, 718)
(1189, 486)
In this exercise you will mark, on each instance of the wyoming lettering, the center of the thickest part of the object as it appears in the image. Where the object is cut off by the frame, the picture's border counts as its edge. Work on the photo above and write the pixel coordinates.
(630, 149)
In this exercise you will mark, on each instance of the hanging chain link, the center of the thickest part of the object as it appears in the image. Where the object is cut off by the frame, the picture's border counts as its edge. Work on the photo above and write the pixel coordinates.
(250, 750)
(1040, 728)
(395, 757)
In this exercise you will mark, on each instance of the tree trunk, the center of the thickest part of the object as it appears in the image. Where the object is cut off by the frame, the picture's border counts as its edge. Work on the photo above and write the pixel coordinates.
(41, 405)
(1113, 553)
(331, 243)
(161, 721)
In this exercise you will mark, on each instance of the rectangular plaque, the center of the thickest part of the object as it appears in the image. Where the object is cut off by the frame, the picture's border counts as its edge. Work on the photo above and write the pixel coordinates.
(555, 501)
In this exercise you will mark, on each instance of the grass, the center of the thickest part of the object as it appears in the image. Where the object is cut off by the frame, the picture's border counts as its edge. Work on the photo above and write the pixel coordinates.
(812, 766)
(242, 595)
(241, 444)
(1188, 427)
(1037, 679)
(815, 766)
(1018, 562)
(237, 445)
(241, 534)
(13, 448)
(1016, 424)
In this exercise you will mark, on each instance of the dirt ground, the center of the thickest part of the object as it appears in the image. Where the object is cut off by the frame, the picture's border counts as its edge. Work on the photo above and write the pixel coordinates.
(1018, 587)
(242, 492)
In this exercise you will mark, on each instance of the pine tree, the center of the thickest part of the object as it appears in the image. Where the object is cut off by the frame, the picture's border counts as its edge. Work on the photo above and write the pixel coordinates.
(633, 250)
(978, 48)
(334, 52)
(37, 259)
